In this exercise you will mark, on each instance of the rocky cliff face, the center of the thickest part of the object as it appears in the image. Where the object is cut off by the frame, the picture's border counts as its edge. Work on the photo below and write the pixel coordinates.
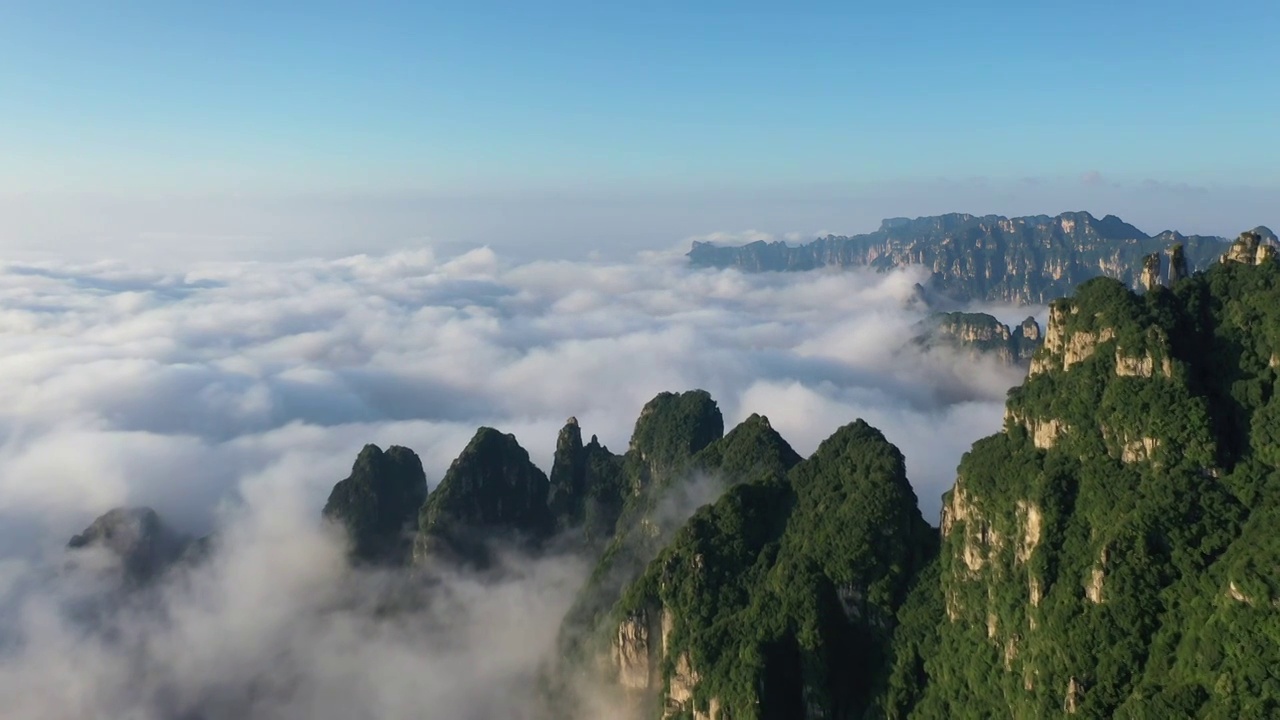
(1250, 249)
(1152, 271)
(587, 492)
(979, 334)
(1027, 260)
(1093, 553)
(377, 504)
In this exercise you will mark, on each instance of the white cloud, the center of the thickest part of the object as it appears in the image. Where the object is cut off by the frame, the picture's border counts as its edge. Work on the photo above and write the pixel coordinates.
(235, 394)
(116, 376)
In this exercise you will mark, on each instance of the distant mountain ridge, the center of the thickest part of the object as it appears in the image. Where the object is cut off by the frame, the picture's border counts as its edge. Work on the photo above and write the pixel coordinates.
(1023, 260)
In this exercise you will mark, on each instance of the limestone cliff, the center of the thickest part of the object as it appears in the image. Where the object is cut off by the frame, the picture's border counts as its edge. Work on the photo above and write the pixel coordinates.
(1094, 552)
(1250, 249)
(979, 335)
(1027, 260)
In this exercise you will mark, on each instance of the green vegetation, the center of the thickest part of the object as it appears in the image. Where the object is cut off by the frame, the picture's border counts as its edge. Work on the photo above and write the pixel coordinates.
(1127, 567)
(783, 593)
(378, 503)
(491, 492)
(676, 438)
(587, 489)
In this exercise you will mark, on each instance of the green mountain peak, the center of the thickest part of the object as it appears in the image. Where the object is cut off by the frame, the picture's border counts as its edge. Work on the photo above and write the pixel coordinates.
(491, 492)
(377, 504)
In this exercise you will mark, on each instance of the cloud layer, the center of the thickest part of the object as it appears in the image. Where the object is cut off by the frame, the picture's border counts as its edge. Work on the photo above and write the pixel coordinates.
(134, 386)
(234, 395)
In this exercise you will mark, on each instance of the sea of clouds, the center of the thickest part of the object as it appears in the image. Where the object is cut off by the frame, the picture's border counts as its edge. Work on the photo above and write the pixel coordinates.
(232, 396)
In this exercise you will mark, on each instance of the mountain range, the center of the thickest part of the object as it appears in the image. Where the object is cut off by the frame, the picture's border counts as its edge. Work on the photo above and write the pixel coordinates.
(1021, 260)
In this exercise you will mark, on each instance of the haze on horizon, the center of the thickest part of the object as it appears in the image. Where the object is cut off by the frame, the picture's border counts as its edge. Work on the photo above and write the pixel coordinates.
(163, 132)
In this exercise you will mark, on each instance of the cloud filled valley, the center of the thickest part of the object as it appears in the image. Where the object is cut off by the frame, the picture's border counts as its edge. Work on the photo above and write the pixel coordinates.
(232, 396)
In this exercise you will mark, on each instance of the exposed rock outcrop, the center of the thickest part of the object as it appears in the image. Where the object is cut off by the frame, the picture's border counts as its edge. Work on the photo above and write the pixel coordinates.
(1144, 366)
(1032, 521)
(1151, 271)
(1031, 333)
(1074, 696)
(1250, 249)
(979, 335)
(586, 487)
(634, 653)
(1044, 432)
(1062, 348)
(1093, 589)
(1236, 594)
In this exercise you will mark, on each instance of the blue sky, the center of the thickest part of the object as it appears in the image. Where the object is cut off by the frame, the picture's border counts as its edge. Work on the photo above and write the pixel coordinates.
(517, 100)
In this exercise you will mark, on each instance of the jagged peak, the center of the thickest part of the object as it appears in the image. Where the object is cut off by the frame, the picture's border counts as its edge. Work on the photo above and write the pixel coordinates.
(570, 437)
